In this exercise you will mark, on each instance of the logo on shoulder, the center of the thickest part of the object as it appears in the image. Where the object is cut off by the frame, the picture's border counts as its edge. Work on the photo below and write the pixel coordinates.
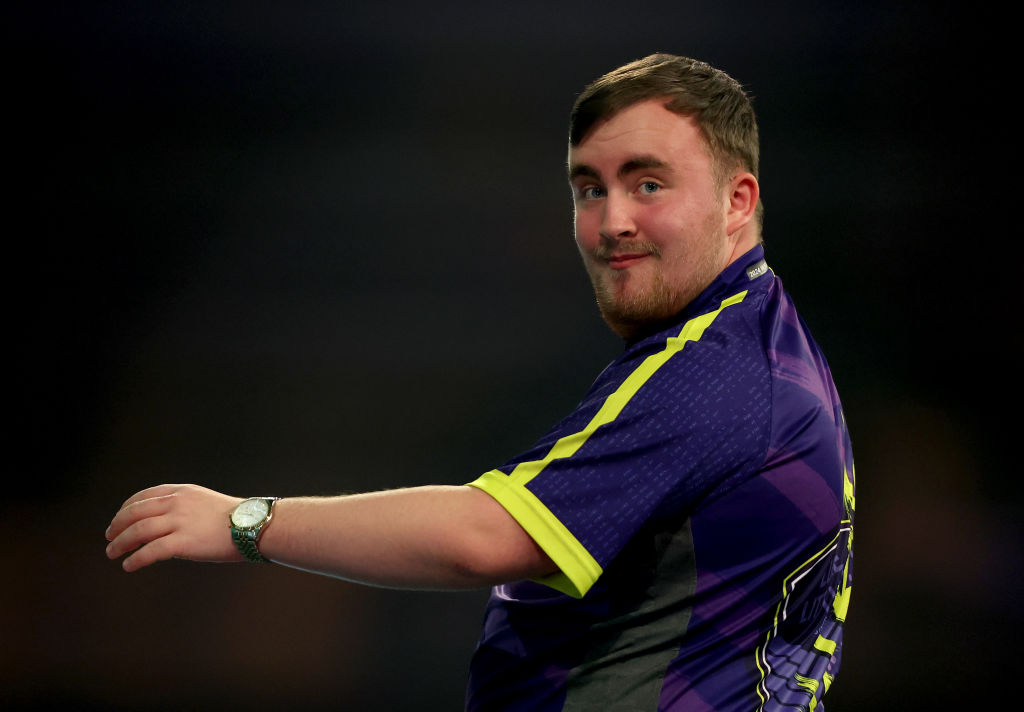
(755, 271)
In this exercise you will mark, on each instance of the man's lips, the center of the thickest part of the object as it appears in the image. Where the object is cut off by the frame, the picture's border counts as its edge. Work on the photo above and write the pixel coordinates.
(626, 259)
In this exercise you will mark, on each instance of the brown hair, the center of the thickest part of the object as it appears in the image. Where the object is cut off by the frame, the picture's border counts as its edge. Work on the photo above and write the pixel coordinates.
(690, 87)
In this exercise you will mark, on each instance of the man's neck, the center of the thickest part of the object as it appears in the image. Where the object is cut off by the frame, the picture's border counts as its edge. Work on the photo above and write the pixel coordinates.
(749, 237)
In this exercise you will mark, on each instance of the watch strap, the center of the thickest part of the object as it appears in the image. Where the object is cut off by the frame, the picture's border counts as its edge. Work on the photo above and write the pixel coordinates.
(245, 540)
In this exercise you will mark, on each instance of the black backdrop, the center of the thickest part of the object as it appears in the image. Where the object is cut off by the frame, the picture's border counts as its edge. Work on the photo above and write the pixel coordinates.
(307, 249)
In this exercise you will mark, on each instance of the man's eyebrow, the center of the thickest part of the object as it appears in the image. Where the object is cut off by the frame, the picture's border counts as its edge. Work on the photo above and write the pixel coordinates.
(582, 169)
(640, 163)
(637, 163)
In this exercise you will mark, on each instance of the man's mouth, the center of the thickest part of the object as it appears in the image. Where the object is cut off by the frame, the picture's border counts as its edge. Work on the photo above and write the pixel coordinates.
(626, 259)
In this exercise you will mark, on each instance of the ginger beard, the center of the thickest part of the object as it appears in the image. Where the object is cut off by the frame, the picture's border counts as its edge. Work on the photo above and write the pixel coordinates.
(639, 296)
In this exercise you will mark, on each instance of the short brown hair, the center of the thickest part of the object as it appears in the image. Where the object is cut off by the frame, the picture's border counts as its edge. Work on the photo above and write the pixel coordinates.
(716, 101)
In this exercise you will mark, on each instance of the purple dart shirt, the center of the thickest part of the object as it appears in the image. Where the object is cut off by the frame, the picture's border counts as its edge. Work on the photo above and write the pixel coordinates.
(699, 506)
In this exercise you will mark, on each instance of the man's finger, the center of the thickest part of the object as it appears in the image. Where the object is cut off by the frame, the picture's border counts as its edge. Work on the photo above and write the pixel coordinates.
(159, 550)
(136, 510)
(139, 534)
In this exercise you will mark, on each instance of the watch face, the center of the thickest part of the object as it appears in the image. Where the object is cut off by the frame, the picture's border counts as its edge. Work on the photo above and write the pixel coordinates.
(250, 513)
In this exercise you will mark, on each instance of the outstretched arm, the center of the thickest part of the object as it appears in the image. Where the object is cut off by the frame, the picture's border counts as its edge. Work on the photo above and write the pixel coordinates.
(421, 537)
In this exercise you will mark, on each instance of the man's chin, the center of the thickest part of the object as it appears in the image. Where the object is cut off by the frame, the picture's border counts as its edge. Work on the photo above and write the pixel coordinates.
(630, 306)
(630, 321)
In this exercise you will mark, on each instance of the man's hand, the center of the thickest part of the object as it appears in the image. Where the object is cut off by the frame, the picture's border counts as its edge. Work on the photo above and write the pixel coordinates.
(173, 521)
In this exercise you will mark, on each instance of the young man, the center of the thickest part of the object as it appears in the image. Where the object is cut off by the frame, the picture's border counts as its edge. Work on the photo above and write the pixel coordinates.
(682, 540)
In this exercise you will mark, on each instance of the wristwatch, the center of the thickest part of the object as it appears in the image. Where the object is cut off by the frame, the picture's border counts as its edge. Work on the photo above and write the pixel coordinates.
(247, 522)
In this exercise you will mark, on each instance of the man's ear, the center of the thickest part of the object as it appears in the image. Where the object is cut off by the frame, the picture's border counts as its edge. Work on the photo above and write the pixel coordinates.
(743, 196)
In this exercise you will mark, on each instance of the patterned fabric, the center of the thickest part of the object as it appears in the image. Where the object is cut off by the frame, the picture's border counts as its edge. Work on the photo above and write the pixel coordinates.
(699, 506)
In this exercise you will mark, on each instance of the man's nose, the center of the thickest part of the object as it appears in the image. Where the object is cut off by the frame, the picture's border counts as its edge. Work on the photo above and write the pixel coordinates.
(616, 218)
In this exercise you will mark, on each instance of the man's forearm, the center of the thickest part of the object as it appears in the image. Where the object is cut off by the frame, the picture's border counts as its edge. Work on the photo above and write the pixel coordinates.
(422, 537)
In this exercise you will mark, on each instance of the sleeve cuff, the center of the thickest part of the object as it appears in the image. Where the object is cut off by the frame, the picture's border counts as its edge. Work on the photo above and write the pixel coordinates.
(577, 568)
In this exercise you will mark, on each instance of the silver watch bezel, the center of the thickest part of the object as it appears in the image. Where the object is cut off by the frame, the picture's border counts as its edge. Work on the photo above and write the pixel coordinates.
(267, 505)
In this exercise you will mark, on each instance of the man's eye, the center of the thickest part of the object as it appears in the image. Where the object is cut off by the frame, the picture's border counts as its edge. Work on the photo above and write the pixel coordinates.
(591, 193)
(649, 187)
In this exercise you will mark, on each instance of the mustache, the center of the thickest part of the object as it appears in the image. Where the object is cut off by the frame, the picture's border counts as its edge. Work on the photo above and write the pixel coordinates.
(607, 249)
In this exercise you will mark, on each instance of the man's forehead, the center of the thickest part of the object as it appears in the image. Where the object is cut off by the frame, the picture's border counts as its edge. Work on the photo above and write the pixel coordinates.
(644, 134)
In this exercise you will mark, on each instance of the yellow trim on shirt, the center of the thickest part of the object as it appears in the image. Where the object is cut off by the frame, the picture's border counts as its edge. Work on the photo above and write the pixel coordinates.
(577, 568)
(566, 447)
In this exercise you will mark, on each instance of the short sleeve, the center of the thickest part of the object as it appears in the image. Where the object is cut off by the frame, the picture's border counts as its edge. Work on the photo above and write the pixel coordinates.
(671, 423)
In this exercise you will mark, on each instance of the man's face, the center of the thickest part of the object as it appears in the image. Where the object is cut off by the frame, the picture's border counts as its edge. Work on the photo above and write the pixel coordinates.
(650, 216)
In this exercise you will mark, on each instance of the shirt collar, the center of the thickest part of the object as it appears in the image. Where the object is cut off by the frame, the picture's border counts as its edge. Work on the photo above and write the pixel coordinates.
(738, 276)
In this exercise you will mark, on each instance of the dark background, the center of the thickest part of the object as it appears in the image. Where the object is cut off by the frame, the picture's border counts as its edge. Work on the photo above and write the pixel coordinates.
(304, 249)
